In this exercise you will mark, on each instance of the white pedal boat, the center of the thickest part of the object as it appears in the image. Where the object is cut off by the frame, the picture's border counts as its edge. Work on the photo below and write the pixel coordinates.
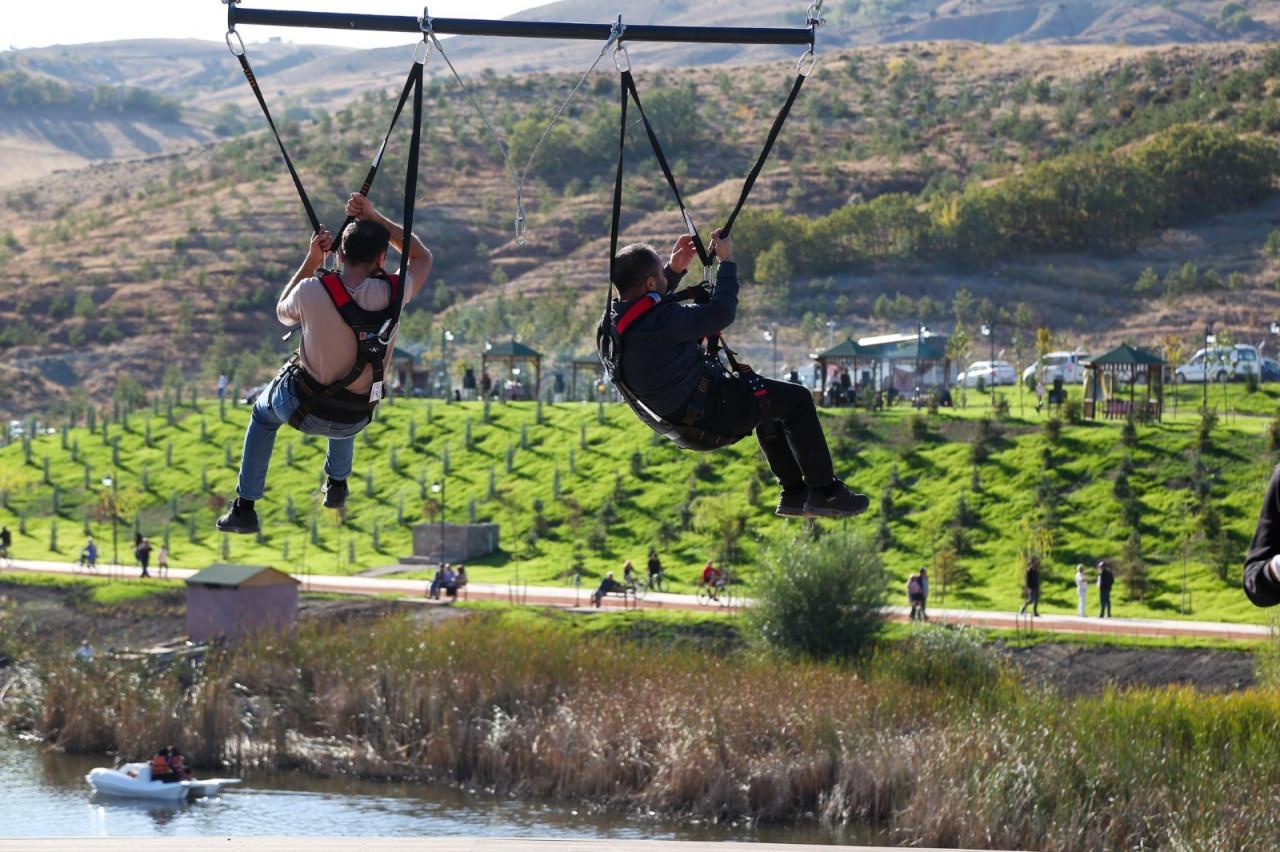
(133, 780)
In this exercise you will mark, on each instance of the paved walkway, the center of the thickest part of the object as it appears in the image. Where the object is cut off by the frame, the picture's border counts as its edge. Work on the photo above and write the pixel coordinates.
(395, 844)
(577, 598)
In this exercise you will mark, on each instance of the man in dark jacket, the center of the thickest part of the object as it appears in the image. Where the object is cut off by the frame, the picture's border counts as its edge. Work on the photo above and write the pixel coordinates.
(664, 366)
(1262, 564)
(1106, 580)
(1031, 588)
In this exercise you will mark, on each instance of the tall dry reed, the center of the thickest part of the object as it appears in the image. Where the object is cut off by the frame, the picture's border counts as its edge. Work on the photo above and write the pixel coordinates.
(898, 745)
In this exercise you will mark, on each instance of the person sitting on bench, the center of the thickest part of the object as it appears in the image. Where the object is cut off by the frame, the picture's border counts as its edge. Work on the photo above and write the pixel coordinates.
(607, 586)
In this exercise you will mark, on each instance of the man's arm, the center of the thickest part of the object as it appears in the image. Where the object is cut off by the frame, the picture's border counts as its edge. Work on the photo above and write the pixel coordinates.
(699, 321)
(286, 307)
(420, 258)
(1261, 573)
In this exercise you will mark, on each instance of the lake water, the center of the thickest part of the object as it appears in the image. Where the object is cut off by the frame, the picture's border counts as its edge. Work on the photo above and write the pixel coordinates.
(45, 795)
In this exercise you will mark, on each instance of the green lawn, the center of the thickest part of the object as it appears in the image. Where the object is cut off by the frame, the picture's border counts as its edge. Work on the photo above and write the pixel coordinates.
(621, 491)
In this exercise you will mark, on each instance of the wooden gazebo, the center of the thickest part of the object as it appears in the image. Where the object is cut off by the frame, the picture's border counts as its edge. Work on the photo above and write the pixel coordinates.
(919, 357)
(588, 364)
(847, 354)
(512, 353)
(1124, 365)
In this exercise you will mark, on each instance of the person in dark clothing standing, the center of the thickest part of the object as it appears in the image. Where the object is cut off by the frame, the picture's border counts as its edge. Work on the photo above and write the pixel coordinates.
(667, 370)
(1262, 563)
(1031, 588)
(655, 570)
(143, 552)
(1105, 581)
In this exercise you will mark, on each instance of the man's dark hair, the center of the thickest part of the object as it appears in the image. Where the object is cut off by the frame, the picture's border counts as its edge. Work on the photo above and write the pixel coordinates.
(364, 241)
(633, 264)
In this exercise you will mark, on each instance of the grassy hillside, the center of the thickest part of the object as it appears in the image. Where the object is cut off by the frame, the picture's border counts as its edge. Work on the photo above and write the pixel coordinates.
(576, 489)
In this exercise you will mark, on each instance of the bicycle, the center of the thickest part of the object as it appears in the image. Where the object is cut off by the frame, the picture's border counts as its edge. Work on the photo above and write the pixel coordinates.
(718, 593)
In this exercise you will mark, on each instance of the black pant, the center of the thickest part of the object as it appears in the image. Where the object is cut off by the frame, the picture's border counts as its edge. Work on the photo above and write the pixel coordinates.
(1105, 596)
(793, 443)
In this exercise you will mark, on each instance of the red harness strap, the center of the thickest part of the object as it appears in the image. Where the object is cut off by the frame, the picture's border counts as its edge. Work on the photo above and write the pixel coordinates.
(637, 310)
(337, 292)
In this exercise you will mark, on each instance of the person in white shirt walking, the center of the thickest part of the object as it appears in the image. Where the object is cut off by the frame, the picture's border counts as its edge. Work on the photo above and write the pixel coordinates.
(1082, 591)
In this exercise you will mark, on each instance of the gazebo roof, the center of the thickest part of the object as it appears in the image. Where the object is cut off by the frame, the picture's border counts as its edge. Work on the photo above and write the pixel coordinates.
(926, 349)
(1126, 355)
(511, 349)
(412, 351)
(848, 349)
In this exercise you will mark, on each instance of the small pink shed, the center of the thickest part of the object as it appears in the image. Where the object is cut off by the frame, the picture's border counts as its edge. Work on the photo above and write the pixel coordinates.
(231, 601)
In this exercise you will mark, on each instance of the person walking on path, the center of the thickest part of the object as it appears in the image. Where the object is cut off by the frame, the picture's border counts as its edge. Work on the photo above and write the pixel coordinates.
(143, 552)
(1105, 581)
(655, 570)
(6, 541)
(162, 561)
(914, 596)
(223, 381)
(1082, 591)
(89, 556)
(1031, 588)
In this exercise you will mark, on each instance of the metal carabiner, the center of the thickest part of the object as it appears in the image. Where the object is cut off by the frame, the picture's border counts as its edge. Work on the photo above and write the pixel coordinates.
(620, 54)
(814, 15)
(522, 225)
(422, 52)
(237, 47)
(805, 64)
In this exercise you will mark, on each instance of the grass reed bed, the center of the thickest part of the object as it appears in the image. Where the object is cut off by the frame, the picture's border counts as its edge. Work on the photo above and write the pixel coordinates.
(929, 743)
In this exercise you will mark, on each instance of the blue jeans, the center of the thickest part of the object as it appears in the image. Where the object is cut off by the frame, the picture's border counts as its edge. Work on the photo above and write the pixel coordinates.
(272, 410)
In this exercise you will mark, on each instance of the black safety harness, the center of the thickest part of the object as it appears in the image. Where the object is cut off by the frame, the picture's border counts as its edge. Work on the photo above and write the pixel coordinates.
(374, 331)
(612, 329)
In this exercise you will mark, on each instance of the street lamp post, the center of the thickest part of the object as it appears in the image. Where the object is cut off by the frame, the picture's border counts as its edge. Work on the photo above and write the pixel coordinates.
(989, 332)
(1209, 340)
(446, 337)
(921, 331)
(110, 482)
(772, 337)
(438, 488)
(831, 333)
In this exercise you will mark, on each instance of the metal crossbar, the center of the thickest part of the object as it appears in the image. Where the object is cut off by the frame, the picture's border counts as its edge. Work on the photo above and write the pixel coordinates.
(238, 16)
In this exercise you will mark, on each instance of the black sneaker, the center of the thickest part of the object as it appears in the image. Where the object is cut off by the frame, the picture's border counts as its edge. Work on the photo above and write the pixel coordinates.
(791, 504)
(836, 501)
(335, 493)
(241, 518)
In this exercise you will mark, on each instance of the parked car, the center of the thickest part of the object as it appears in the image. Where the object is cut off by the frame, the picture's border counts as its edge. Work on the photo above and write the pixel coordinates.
(1068, 365)
(1270, 370)
(1220, 364)
(991, 373)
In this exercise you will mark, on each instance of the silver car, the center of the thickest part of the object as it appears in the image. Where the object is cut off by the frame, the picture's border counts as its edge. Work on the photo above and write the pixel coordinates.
(991, 373)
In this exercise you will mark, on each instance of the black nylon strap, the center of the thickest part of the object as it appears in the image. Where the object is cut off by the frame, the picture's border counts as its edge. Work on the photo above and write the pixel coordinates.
(377, 160)
(629, 86)
(410, 198)
(764, 155)
(615, 227)
(293, 172)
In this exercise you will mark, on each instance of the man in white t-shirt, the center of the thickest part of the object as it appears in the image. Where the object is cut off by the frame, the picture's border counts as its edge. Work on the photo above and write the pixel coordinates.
(322, 394)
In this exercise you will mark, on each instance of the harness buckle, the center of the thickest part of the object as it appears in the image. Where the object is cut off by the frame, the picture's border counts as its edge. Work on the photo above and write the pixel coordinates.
(384, 333)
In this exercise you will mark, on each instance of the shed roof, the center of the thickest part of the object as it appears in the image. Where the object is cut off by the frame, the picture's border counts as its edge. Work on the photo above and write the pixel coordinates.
(511, 349)
(1126, 355)
(234, 576)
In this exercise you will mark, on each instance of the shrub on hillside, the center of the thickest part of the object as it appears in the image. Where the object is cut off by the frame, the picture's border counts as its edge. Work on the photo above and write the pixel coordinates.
(939, 656)
(821, 598)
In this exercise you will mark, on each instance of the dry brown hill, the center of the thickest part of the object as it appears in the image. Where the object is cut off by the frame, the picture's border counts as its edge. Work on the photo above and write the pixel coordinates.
(173, 263)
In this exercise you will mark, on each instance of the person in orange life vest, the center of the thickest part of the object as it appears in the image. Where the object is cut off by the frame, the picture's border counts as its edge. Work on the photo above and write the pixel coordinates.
(328, 352)
(160, 769)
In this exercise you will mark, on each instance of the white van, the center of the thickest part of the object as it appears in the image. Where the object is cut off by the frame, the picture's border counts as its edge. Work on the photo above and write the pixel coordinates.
(1068, 365)
(1220, 364)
